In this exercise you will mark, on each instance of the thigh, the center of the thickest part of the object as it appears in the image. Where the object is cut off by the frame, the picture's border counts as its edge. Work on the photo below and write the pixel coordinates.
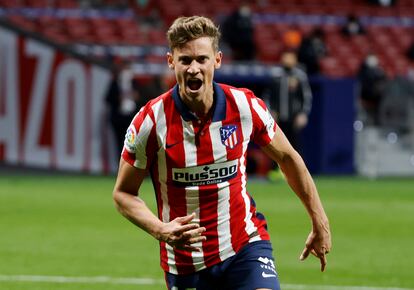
(206, 279)
(251, 268)
(254, 268)
(181, 282)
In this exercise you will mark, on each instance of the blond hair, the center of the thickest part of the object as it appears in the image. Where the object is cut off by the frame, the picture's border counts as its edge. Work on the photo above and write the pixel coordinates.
(185, 29)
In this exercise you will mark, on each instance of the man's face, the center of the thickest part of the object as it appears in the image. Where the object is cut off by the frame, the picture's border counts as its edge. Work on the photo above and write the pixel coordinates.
(289, 60)
(194, 65)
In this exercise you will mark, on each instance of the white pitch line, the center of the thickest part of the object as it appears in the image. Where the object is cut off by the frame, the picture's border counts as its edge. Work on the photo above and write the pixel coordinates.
(85, 280)
(152, 281)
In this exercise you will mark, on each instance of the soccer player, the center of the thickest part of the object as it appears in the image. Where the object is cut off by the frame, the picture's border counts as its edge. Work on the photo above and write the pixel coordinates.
(193, 140)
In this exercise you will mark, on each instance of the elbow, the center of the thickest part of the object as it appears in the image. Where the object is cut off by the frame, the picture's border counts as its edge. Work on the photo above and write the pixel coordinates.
(117, 199)
(123, 201)
(293, 160)
(120, 203)
(289, 159)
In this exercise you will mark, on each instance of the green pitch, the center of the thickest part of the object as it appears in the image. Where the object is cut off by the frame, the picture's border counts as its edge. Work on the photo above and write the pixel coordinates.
(63, 232)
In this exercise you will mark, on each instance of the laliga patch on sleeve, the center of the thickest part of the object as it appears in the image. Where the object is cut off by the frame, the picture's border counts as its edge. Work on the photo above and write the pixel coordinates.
(270, 122)
(130, 139)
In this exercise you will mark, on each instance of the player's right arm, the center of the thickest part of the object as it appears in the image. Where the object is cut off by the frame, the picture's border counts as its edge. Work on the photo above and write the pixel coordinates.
(179, 233)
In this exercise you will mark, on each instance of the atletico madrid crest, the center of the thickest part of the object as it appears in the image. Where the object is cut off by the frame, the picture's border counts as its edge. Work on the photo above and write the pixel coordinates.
(228, 135)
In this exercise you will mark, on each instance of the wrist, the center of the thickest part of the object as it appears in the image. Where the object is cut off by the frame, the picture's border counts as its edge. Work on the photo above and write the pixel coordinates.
(321, 225)
(320, 220)
(156, 231)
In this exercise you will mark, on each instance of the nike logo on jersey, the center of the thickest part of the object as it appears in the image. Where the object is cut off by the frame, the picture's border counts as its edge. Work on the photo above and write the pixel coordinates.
(265, 275)
(167, 146)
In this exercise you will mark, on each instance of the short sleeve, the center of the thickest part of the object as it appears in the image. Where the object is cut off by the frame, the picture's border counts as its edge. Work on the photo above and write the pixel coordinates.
(264, 126)
(136, 149)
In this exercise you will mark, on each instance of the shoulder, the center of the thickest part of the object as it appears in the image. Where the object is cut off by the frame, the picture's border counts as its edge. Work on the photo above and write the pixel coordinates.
(151, 104)
(149, 112)
(243, 99)
(236, 92)
(161, 98)
(300, 73)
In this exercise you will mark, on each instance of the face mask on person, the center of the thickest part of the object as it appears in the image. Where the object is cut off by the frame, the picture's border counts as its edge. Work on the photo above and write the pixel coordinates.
(245, 11)
(372, 61)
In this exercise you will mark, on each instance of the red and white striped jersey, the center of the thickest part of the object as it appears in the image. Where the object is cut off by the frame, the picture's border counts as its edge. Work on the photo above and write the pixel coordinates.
(200, 166)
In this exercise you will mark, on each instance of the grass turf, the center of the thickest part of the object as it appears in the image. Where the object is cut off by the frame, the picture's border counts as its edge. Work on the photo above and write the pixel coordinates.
(68, 226)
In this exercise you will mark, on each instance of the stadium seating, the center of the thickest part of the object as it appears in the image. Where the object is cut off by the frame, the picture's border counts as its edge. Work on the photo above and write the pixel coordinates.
(389, 30)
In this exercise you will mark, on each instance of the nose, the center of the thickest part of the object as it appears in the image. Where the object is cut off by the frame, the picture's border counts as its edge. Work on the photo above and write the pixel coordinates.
(193, 68)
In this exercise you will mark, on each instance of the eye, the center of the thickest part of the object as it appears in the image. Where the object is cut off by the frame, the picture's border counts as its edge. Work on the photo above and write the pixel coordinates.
(185, 60)
(202, 59)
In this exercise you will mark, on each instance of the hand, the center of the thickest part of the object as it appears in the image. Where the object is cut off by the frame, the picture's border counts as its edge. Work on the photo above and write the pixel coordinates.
(318, 244)
(301, 121)
(181, 234)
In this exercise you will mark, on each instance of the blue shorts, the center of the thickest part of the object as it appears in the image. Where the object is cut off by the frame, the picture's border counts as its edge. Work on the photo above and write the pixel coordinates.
(251, 268)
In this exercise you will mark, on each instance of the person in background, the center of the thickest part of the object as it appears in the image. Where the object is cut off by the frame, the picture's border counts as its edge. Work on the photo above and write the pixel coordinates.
(311, 50)
(289, 97)
(193, 140)
(156, 85)
(352, 26)
(383, 3)
(122, 100)
(372, 80)
(238, 33)
(410, 52)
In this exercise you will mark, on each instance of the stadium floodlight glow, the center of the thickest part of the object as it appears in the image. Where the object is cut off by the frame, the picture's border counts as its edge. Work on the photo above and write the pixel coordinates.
(358, 126)
(392, 138)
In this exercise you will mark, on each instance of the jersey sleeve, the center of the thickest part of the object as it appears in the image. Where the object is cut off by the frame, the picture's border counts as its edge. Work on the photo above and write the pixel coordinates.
(138, 150)
(264, 126)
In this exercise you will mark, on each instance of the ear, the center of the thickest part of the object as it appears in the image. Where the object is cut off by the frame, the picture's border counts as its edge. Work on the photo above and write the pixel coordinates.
(170, 60)
(217, 61)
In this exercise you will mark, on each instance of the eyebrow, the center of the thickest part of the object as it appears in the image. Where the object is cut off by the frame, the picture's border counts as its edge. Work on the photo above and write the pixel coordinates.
(187, 57)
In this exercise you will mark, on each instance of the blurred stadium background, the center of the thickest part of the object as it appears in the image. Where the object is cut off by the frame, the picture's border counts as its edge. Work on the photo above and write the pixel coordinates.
(58, 156)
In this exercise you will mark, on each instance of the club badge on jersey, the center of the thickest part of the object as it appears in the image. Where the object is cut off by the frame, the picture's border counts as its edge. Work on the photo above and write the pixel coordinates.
(228, 135)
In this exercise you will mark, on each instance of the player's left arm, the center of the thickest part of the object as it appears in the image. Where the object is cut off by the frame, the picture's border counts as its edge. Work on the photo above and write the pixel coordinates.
(299, 179)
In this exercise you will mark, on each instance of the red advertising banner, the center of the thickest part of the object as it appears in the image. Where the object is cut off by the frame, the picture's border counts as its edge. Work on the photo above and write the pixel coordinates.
(51, 108)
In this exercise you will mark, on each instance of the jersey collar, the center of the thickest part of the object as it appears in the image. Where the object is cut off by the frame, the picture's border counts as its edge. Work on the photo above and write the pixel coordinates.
(219, 104)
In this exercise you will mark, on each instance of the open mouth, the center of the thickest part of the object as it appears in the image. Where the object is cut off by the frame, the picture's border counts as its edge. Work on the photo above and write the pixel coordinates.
(194, 84)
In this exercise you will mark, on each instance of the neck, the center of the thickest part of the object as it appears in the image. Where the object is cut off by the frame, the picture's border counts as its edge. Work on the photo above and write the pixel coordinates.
(200, 105)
